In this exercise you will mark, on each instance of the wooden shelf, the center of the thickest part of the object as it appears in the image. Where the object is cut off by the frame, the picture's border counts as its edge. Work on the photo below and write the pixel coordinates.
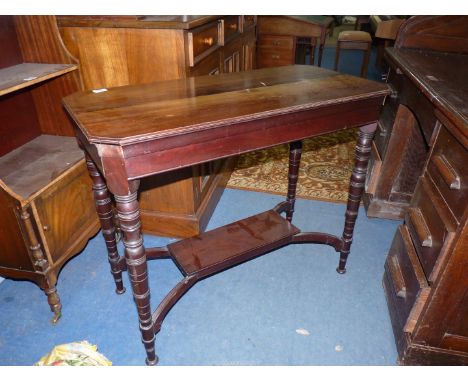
(213, 251)
(33, 166)
(23, 75)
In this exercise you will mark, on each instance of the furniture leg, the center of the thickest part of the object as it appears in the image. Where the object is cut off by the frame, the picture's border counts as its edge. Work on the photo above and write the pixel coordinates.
(356, 188)
(106, 216)
(129, 214)
(337, 56)
(319, 61)
(365, 62)
(295, 151)
(42, 265)
(313, 44)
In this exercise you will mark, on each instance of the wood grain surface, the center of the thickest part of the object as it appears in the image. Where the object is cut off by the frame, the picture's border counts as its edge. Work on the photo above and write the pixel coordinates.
(134, 113)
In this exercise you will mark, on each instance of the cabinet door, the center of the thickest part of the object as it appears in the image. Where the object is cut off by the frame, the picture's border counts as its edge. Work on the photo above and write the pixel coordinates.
(232, 57)
(66, 213)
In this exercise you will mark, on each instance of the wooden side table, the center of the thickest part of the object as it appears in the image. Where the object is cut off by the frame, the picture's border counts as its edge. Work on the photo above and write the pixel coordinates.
(132, 132)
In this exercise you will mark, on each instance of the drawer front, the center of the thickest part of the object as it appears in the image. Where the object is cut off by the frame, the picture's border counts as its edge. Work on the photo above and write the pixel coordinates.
(249, 22)
(271, 57)
(403, 277)
(427, 228)
(203, 41)
(448, 169)
(275, 51)
(285, 43)
(232, 27)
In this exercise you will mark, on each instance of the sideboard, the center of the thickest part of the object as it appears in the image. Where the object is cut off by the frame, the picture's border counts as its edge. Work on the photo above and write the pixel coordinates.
(129, 50)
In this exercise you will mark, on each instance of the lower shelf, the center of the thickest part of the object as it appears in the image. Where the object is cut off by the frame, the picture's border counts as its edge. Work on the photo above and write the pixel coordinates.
(213, 251)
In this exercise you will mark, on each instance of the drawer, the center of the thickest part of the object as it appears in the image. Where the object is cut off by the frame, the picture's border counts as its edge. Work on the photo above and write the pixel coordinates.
(232, 27)
(448, 169)
(271, 57)
(203, 41)
(403, 278)
(285, 43)
(248, 23)
(427, 226)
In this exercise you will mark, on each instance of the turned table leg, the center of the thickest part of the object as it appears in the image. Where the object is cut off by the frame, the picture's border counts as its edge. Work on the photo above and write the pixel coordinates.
(129, 214)
(42, 265)
(356, 188)
(106, 216)
(295, 151)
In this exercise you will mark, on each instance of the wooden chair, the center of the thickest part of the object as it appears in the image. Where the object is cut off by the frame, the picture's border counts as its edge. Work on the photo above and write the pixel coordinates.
(355, 40)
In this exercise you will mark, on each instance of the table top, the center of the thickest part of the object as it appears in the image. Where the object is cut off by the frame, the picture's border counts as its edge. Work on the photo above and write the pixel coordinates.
(131, 114)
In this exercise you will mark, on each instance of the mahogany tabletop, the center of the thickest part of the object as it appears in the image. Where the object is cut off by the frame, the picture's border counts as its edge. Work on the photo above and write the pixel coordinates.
(130, 114)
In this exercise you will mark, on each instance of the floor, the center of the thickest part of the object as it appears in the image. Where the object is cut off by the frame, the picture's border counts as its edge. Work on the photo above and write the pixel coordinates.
(289, 307)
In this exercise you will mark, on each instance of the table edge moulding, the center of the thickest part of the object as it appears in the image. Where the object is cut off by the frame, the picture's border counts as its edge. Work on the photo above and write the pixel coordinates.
(132, 132)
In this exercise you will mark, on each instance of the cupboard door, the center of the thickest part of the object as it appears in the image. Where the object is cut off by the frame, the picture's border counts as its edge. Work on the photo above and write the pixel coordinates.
(232, 57)
(63, 209)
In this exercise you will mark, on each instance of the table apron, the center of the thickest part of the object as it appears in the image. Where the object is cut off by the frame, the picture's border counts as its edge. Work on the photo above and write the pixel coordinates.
(166, 154)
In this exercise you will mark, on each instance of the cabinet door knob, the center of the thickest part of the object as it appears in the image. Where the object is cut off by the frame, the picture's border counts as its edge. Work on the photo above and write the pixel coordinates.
(233, 26)
(45, 227)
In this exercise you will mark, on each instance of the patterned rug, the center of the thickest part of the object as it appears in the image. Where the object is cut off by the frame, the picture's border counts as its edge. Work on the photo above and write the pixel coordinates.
(326, 165)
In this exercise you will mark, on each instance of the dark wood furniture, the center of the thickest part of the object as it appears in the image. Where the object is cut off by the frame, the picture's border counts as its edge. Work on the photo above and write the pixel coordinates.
(356, 40)
(42, 171)
(425, 280)
(282, 40)
(407, 121)
(131, 50)
(132, 132)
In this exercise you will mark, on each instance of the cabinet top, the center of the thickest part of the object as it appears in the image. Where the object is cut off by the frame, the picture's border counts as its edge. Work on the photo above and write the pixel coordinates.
(127, 21)
(130, 114)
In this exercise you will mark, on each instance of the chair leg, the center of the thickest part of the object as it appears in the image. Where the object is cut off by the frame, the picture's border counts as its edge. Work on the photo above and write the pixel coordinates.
(365, 62)
(337, 56)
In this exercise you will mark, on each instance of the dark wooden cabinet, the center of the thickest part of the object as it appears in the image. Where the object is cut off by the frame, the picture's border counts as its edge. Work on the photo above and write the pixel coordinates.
(425, 279)
(43, 175)
(115, 51)
(407, 121)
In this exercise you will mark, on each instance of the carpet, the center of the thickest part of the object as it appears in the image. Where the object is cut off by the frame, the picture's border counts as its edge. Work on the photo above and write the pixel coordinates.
(326, 162)
(326, 165)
